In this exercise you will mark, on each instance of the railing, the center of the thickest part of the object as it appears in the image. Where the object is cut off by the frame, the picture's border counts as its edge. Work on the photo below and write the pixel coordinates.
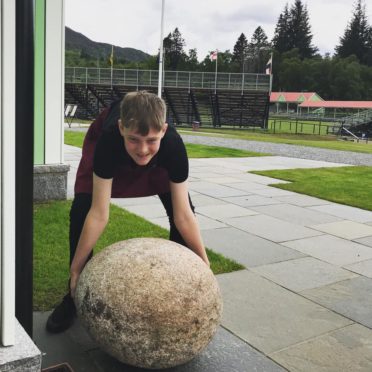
(359, 118)
(171, 79)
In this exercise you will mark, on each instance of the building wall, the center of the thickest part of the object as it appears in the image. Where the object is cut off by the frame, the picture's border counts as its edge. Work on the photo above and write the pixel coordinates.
(7, 172)
(49, 81)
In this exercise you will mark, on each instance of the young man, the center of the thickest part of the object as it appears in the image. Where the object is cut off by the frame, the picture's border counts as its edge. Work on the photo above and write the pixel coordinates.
(128, 151)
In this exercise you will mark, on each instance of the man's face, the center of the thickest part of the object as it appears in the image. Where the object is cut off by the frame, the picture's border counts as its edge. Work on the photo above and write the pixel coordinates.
(142, 148)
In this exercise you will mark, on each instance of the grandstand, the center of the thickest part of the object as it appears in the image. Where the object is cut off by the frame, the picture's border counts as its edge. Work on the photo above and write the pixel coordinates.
(237, 100)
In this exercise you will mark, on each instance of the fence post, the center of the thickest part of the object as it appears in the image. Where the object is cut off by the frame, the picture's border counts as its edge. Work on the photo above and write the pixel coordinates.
(86, 77)
(296, 126)
(320, 124)
(189, 81)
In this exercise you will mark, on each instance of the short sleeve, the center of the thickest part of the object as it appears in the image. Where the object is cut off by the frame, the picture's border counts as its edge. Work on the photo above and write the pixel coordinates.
(177, 161)
(103, 162)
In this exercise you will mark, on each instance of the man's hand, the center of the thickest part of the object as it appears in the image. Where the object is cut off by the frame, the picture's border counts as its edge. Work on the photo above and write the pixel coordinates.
(74, 277)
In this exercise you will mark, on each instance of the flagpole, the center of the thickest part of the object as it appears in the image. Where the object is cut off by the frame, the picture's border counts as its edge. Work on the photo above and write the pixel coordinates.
(161, 49)
(271, 72)
(215, 77)
(112, 62)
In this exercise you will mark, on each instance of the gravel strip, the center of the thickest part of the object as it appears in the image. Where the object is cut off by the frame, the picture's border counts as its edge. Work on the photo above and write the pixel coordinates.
(292, 151)
(281, 149)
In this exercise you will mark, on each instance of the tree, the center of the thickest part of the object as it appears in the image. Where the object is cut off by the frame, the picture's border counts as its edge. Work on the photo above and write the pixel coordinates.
(282, 37)
(293, 31)
(301, 30)
(357, 38)
(240, 52)
(258, 51)
(173, 49)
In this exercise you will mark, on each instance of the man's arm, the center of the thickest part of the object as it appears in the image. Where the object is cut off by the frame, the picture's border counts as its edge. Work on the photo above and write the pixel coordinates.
(94, 225)
(185, 219)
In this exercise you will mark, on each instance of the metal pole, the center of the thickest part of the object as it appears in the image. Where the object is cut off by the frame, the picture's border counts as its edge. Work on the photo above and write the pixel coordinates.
(215, 78)
(24, 156)
(161, 49)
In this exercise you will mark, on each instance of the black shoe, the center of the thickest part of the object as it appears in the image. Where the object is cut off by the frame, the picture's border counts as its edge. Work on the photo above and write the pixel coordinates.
(62, 316)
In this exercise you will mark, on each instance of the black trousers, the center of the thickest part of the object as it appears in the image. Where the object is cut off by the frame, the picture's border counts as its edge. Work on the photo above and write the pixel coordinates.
(80, 208)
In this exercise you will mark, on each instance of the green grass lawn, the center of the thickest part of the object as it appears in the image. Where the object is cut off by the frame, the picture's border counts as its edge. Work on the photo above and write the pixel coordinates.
(326, 142)
(344, 185)
(193, 150)
(51, 247)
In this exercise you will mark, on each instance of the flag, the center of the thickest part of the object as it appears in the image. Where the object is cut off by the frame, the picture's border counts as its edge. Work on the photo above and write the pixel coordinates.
(111, 59)
(213, 55)
(269, 66)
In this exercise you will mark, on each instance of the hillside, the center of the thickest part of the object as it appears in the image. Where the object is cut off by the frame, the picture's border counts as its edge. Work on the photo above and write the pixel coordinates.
(77, 42)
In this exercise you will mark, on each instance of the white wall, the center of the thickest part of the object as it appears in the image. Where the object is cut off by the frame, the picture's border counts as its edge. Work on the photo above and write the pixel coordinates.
(54, 81)
(7, 172)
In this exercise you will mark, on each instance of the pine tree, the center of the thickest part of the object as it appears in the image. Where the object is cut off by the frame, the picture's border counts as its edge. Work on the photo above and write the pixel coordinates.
(301, 31)
(240, 51)
(173, 49)
(293, 31)
(282, 37)
(258, 50)
(357, 37)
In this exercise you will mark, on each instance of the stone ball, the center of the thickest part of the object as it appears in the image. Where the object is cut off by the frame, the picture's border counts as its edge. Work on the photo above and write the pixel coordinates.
(150, 303)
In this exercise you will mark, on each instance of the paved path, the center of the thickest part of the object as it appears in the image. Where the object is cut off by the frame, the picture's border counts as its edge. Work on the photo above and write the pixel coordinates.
(304, 301)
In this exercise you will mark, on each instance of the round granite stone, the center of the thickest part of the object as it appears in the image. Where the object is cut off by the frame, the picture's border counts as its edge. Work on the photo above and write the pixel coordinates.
(148, 302)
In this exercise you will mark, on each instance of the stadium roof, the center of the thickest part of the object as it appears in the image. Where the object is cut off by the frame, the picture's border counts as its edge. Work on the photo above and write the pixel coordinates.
(338, 104)
(294, 97)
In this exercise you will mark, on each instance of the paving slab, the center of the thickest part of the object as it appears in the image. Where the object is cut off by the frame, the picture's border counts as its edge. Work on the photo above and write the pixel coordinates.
(200, 200)
(365, 241)
(346, 212)
(298, 215)
(270, 317)
(271, 228)
(302, 200)
(222, 179)
(251, 187)
(331, 249)
(251, 200)
(226, 352)
(148, 211)
(162, 222)
(245, 248)
(124, 202)
(363, 268)
(257, 178)
(214, 190)
(303, 273)
(351, 298)
(221, 212)
(346, 349)
(345, 229)
(206, 223)
(271, 191)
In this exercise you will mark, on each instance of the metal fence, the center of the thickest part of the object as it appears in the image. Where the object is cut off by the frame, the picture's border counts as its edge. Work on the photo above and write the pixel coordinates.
(171, 79)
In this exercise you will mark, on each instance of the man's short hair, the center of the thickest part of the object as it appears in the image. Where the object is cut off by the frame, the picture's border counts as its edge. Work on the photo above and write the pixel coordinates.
(142, 111)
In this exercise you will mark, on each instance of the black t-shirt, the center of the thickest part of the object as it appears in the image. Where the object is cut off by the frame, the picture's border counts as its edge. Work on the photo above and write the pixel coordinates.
(111, 160)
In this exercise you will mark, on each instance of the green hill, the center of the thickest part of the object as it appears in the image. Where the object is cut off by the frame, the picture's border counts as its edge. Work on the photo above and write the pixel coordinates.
(82, 51)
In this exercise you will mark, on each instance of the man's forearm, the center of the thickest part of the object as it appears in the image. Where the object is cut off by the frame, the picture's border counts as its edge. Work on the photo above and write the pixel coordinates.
(189, 230)
(92, 230)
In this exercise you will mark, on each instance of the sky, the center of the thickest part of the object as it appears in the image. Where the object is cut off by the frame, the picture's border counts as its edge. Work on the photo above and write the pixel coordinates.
(204, 24)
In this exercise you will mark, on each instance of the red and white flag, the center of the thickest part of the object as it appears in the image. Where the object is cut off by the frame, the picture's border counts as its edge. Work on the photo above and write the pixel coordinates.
(269, 66)
(213, 55)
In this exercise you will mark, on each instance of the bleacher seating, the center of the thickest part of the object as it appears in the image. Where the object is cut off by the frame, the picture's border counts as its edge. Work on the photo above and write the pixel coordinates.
(226, 107)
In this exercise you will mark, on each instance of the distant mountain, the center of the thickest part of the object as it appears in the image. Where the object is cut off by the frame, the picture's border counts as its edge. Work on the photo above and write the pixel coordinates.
(92, 49)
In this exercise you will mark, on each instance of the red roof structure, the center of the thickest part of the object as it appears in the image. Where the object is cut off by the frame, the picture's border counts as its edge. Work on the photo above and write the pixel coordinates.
(294, 97)
(338, 104)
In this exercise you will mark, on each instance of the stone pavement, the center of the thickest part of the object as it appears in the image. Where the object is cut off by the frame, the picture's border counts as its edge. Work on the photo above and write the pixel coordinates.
(304, 301)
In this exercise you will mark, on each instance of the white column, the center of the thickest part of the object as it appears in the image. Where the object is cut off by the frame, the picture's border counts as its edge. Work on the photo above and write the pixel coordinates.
(7, 172)
(54, 81)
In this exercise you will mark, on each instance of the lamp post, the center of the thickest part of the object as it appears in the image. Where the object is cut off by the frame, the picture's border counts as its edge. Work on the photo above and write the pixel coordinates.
(161, 49)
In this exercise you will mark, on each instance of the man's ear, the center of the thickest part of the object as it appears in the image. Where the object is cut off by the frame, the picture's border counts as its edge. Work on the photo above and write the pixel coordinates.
(121, 127)
(164, 129)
